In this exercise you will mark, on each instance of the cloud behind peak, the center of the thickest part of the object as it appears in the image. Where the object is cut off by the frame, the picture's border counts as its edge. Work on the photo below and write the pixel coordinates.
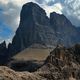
(10, 10)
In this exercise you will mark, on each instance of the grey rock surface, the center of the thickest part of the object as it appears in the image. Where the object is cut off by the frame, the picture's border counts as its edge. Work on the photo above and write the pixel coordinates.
(65, 32)
(3, 53)
(36, 28)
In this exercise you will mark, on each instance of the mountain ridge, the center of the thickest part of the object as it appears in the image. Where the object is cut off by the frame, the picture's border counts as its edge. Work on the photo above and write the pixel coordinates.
(36, 28)
(33, 29)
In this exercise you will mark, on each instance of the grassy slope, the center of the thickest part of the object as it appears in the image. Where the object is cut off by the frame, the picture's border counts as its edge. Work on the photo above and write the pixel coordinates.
(33, 54)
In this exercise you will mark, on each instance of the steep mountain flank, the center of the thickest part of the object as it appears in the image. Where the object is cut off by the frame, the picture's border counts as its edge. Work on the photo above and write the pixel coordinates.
(34, 28)
(65, 32)
(3, 53)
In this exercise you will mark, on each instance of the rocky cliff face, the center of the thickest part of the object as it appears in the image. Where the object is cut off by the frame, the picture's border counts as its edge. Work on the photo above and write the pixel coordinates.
(36, 28)
(65, 32)
(3, 53)
(62, 64)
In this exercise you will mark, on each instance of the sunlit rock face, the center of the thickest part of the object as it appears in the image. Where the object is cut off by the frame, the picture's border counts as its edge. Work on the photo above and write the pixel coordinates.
(9, 74)
(62, 64)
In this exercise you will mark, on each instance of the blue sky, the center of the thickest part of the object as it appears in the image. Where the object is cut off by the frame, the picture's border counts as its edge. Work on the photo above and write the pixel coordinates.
(5, 32)
(10, 11)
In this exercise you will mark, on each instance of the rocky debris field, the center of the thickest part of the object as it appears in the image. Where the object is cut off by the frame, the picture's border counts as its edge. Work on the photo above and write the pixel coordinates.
(62, 64)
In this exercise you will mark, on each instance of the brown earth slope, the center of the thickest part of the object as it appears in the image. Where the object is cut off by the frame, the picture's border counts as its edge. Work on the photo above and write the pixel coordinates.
(33, 54)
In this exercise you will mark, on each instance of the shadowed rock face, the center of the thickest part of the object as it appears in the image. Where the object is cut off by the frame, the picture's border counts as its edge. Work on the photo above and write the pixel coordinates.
(3, 53)
(36, 28)
(65, 32)
(30, 66)
(2, 47)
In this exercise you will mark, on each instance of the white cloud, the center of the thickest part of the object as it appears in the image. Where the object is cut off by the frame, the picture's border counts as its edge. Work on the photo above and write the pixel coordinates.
(72, 11)
(20, 2)
(55, 8)
(11, 10)
(58, 8)
(4, 1)
(10, 13)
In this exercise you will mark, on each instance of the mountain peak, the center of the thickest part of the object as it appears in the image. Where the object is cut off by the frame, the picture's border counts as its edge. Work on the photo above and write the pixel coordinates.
(59, 17)
(56, 14)
(36, 28)
(3, 44)
(33, 6)
(30, 4)
(32, 12)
